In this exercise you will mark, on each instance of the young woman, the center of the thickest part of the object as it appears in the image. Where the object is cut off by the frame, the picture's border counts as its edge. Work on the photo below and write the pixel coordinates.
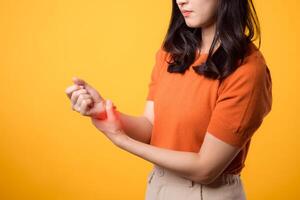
(210, 89)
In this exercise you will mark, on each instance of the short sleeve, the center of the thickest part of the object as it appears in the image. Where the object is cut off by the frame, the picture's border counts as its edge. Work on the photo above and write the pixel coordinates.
(155, 74)
(244, 99)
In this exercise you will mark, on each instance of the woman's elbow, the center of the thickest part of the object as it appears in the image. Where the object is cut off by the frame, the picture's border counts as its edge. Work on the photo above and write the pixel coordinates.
(204, 177)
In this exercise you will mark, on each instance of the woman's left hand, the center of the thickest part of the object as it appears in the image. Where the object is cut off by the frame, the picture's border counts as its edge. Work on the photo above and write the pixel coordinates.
(111, 126)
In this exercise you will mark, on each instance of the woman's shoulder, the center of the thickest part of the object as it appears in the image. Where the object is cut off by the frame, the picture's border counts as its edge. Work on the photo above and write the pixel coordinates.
(253, 67)
(253, 73)
(255, 59)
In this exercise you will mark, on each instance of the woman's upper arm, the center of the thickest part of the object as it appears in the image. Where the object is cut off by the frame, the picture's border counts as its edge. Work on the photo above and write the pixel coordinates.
(244, 100)
(149, 111)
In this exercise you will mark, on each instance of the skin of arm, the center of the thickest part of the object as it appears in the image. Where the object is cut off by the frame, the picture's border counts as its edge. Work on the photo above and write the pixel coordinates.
(138, 127)
(202, 167)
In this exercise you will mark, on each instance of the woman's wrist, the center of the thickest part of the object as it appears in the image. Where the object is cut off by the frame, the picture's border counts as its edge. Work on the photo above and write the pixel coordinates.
(101, 115)
(120, 139)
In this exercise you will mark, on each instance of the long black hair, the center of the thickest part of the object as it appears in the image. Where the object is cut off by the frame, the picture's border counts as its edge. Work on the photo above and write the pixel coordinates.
(236, 25)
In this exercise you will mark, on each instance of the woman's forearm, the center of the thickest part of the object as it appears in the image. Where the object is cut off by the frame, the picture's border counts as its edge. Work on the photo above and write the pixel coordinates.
(186, 164)
(136, 127)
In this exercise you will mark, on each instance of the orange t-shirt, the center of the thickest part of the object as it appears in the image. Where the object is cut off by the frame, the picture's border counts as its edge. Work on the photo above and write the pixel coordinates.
(187, 105)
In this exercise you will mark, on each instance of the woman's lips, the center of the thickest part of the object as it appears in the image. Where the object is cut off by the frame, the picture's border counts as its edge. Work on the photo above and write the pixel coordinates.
(186, 13)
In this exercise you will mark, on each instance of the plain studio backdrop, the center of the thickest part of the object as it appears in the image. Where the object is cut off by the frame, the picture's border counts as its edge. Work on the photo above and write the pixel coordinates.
(49, 152)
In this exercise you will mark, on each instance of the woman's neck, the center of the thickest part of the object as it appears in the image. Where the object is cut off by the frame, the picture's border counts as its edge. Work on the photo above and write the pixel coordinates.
(208, 34)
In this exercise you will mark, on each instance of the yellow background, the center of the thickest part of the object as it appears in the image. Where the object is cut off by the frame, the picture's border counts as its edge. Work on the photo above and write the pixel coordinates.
(48, 151)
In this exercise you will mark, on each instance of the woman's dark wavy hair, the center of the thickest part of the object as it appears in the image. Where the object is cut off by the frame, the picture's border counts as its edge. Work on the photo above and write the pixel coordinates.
(236, 23)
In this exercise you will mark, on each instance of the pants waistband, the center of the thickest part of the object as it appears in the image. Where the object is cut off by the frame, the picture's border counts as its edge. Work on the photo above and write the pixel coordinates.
(170, 176)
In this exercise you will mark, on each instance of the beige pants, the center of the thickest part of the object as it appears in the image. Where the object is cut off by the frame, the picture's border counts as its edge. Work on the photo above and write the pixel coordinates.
(166, 185)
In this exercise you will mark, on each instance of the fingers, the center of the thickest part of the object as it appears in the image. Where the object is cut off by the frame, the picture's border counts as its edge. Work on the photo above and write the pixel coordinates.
(76, 94)
(72, 89)
(79, 100)
(78, 81)
(83, 104)
(81, 82)
(109, 110)
(83, 98)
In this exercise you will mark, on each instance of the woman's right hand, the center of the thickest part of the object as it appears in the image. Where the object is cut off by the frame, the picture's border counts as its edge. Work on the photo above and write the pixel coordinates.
(86, 100)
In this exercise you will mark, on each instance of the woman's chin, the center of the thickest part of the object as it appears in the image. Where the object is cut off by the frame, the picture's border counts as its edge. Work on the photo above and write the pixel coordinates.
(192, 25)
